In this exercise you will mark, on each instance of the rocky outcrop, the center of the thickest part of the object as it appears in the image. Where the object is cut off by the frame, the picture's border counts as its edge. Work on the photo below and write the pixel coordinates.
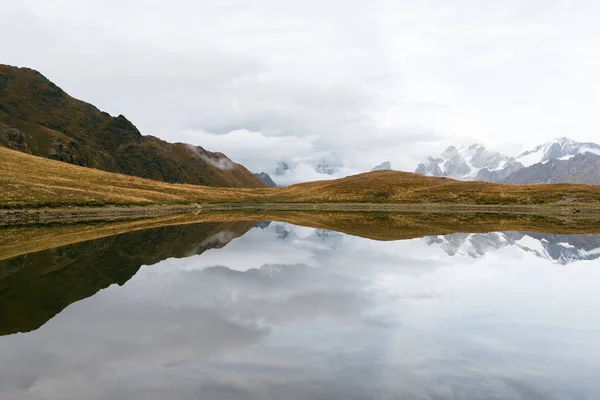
(384, 166)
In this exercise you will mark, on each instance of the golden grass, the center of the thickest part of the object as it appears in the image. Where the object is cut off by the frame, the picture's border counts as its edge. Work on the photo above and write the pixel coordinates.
(31, 182)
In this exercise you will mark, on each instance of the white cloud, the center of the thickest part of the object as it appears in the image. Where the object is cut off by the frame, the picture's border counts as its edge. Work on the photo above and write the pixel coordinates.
(373, 81)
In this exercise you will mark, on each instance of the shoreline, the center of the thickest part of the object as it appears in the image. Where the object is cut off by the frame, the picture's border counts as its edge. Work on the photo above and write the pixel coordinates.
(10, 217)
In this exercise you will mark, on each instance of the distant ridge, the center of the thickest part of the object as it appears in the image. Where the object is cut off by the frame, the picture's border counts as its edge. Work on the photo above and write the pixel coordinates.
(582, 168)
(263, 176)
(39, 118)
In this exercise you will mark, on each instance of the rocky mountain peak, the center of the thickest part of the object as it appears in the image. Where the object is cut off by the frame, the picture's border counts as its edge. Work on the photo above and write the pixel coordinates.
(263, 176)
(451, 151)
(384, 166)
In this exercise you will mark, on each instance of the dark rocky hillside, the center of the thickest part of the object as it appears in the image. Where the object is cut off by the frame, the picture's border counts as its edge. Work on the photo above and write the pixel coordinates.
(39, 118)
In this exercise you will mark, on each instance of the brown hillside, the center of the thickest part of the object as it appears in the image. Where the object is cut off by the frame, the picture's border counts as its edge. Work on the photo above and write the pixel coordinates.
(39, 118)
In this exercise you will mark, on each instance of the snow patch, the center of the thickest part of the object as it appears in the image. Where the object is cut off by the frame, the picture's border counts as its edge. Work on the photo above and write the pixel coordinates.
(567, 245)
(533, 157)
(529, 243)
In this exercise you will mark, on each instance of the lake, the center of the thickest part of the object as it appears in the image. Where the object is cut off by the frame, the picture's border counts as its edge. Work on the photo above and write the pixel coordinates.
(271, 310)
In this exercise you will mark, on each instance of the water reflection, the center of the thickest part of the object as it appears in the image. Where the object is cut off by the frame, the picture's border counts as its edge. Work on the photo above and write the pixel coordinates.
(562, 249)
(35, 287)
(300, 313)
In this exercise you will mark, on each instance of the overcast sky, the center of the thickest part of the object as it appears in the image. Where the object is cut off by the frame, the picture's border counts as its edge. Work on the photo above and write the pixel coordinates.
(270, 80)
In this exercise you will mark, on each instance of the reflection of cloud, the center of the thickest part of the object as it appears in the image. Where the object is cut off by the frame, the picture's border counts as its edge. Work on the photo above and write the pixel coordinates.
(143, 337)
(526, 391)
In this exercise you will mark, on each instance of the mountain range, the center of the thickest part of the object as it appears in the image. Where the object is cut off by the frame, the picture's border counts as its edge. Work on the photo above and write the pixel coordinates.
(558, 161)
(328, 164)
(39, 118)
(323, 167)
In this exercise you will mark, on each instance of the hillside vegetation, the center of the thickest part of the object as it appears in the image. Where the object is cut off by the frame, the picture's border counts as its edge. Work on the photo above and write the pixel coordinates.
(27, 181)
(37, 117)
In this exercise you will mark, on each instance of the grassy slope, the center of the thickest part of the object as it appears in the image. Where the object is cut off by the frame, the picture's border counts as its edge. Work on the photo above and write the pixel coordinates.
(29, 181)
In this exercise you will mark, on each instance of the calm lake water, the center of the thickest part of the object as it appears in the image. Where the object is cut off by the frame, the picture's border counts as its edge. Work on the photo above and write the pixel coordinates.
(276, 311)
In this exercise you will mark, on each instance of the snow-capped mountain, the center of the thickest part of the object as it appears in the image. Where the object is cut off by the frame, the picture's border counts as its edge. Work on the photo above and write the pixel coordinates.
(549, 162)
(329, 164)
(469, 163)
(561, 148)
(384, 166)
(560, 249)
(320, 166)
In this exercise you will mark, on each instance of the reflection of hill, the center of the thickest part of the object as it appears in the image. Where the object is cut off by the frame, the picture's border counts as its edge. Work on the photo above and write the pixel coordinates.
(562, 249)
(378, 225)
(37, 286)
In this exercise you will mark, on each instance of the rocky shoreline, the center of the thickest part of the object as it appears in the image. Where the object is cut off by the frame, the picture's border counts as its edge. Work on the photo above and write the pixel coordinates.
(115, 213)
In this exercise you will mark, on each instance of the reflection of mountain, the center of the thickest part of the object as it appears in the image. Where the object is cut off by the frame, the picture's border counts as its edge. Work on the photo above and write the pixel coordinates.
(37, 286)
(331, 239)
(327, 237)
(562, 249)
